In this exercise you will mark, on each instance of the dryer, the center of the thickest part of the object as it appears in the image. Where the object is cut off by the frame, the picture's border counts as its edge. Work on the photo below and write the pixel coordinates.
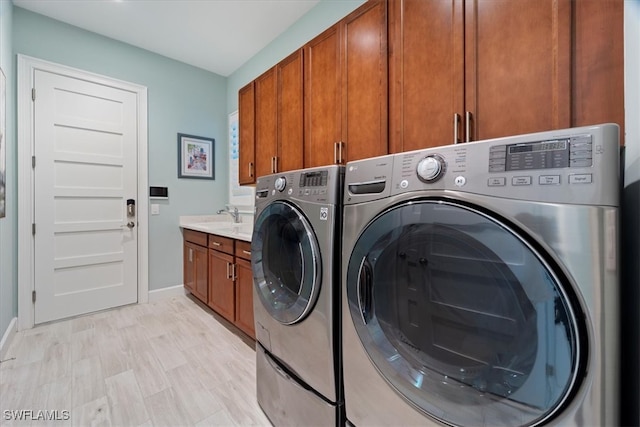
(480, 283)
(295, 262)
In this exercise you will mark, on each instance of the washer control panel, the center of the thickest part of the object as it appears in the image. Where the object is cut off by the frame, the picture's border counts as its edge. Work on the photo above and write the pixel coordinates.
(576, 165)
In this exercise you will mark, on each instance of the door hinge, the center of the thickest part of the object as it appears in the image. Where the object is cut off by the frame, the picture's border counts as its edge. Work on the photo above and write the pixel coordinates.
(33, 296)
(33, 94)
(33, 161)
(33, 228)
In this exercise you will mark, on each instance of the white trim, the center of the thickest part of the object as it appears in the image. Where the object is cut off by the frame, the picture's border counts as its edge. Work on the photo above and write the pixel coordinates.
(26, 70)
(8, 336)
(166, 293)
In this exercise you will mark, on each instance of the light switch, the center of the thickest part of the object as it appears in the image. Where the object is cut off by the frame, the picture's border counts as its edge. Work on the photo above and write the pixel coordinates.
(155, 209)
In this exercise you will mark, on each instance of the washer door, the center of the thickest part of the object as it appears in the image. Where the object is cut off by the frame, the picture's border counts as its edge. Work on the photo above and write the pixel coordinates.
(285, 262)
(464, 318)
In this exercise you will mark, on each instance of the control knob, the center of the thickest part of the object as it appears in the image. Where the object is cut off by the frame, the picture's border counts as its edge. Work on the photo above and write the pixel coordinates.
(431, 168)
(281, 183)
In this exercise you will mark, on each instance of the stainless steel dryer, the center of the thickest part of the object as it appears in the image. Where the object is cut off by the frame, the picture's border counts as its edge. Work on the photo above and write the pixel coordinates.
(295, 262)
(480, 283)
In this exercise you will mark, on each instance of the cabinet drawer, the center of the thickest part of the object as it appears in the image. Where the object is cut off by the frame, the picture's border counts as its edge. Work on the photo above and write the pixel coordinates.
(243, 249)
(196, 237)
(222, 244)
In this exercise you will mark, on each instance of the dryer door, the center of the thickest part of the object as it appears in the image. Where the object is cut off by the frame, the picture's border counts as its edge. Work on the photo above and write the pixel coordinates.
(285, 261)
(463, 317)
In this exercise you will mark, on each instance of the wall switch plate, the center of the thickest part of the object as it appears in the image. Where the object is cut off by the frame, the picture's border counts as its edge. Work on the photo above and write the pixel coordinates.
(155, 209)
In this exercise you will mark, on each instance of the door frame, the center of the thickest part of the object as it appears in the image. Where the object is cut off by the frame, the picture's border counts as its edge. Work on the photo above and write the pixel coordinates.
(26, 243)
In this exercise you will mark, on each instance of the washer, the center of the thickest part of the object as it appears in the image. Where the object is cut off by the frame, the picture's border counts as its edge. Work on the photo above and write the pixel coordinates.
(295, 262)
(480, 283)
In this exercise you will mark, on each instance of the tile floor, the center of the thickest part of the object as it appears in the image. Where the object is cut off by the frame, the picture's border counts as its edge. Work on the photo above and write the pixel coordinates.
(167, 363)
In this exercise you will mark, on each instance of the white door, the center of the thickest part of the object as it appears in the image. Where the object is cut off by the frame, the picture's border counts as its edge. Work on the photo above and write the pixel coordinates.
(86, 252)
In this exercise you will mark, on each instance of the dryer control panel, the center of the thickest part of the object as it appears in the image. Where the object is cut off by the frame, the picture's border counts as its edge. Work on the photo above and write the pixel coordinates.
(319, 185)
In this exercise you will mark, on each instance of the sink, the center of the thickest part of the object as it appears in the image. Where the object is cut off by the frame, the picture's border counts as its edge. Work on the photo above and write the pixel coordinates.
(236, 229)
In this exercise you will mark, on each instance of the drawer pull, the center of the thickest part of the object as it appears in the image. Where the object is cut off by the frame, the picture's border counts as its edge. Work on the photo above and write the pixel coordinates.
(216, 243)
(246, 252)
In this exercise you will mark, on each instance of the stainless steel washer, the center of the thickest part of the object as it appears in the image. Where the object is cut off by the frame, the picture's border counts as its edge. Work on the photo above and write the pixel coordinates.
(480, 283)
(295, 262)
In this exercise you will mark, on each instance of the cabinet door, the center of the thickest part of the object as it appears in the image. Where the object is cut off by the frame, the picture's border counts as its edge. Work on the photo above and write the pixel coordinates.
(266, 123)
(221, 284)
(246, 119)
(290, 113)
(426, 69)
(322, 95)
(364, 82)
(517, 66)
(598, 89)
(244, 297)
(345, 89)
(188, 270)
(195, 270)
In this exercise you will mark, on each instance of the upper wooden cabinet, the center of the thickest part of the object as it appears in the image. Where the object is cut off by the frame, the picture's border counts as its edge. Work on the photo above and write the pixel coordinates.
(401, 75)
(271, 121)
(345, 89)
(289, 73)
(465, 70)
(598, 63)
(266, 92)
(246, 119)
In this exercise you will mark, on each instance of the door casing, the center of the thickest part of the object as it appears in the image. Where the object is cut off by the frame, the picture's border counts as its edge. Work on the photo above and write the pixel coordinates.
(26, 262)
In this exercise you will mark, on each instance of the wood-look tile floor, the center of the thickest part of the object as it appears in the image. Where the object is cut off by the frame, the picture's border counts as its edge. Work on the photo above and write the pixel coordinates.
(167, 363)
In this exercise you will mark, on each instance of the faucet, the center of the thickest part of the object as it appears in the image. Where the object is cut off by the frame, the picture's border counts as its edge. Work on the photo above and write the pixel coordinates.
(234, 214)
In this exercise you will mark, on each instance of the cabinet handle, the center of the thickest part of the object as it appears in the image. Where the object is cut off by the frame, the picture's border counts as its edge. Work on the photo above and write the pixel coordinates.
(467, 116)
(228, 272)
(233, 272)
(251, 169)
(456, 125)
(190, 255)
(216, 243)
(246, 252)
(340, 148)
(275, 164)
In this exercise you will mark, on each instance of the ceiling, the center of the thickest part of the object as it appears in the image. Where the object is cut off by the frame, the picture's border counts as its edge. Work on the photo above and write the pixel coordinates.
(216, 35)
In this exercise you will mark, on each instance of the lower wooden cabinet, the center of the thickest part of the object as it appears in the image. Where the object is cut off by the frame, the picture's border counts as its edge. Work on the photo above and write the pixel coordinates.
(244, 289)
(217, 271)
(222, 284)
(195, 264)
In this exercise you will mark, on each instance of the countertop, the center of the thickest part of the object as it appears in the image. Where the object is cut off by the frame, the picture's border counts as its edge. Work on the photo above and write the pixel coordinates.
(219, 225)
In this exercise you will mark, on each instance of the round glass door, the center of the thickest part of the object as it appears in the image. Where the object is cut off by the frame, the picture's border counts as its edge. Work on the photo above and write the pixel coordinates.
(285, 262)
(463, 317)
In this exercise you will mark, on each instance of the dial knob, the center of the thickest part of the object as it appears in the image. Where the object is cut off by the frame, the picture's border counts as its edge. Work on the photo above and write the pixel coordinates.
(281, 183)
(430, 168)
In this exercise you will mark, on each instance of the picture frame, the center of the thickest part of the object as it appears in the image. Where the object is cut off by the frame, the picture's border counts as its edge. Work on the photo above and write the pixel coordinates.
(3, 142)
(196, 157)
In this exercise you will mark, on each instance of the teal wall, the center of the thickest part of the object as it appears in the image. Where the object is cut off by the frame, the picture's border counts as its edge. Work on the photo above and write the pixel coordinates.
(8, 224)
(318, 19)
(181, 98)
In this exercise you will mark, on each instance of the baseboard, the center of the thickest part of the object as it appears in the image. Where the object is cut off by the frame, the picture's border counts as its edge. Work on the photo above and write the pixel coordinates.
(7, 338)
(168, 292)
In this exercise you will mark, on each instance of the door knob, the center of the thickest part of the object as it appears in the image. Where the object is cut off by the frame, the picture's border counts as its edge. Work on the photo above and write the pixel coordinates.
(131, 224)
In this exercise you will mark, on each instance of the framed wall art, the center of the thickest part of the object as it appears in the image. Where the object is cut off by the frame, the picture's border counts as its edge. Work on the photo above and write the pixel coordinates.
(3, 142)
(195, 157)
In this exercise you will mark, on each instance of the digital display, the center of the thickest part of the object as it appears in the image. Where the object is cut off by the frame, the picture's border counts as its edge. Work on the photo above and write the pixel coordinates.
(314, 179)
(538, 146)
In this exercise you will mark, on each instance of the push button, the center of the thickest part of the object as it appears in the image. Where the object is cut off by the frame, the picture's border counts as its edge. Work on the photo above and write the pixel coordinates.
(582, 178)
(549, 179)
(521, 180)
(497, 182)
